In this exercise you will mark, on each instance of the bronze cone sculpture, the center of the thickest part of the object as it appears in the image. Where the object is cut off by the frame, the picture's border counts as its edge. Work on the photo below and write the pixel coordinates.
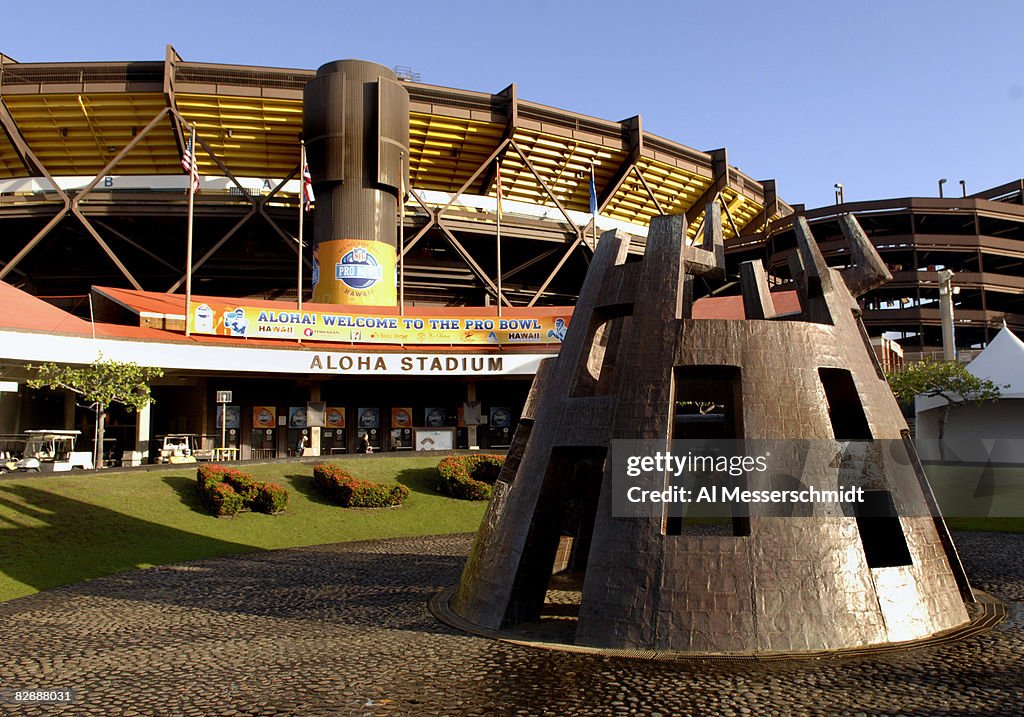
(777, 584)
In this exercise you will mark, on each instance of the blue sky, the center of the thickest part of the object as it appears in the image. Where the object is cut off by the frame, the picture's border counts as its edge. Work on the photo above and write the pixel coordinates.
(885, 97)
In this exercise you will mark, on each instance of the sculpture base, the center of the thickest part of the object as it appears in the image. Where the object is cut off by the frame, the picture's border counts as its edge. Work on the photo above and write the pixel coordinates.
(555, 629)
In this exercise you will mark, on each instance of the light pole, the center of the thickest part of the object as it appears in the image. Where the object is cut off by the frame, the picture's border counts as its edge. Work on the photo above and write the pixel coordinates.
(963, 187)
(946, 312)
(839, 193)
(941, 182)
(223, 399)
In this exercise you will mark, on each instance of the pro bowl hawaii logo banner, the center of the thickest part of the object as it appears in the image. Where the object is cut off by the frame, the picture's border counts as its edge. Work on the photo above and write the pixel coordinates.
(335, 417)
(222, 319)
(264, 417)
(354, 272)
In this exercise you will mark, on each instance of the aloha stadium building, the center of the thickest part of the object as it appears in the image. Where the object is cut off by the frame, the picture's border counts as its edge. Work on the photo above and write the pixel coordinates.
(449, 235)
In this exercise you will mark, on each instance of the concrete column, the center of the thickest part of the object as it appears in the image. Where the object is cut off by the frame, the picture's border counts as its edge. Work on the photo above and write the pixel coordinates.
(314, 432)
(142, 417)
(471, 430)
(70, 402)
(202, 395)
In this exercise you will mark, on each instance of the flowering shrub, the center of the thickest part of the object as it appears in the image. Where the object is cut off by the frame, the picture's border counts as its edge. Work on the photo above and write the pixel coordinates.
(269, 498)
(221, 499)
(347, 491)
(227, 491)
(469, 477)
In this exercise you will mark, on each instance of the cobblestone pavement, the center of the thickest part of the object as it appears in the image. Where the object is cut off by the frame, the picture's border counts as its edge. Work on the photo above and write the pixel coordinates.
(344, 630)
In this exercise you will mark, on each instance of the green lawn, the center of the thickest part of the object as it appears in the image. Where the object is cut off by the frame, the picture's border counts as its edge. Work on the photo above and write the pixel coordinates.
(57, 529)
(979, 498)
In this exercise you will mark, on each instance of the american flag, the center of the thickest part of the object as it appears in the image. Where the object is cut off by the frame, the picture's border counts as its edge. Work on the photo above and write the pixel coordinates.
(307, 188)
(593, 192)
(188, 163)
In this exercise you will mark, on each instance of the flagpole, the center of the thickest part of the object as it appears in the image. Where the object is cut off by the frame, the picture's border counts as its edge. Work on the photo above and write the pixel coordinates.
(401, 240)
(499, 235)
(593, 194)
(188, 252)
(302, 210)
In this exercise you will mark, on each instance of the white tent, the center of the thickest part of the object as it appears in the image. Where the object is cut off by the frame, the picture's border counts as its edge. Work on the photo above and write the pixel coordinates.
(993, 431)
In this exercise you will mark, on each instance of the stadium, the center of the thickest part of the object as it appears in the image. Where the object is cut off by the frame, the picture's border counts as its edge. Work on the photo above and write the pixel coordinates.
(487, 206)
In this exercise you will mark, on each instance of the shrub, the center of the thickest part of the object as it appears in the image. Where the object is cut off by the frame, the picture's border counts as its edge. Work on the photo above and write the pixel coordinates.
(227, 491)
(346, 490)
(269, 498)
(221, 499)
(469, 477)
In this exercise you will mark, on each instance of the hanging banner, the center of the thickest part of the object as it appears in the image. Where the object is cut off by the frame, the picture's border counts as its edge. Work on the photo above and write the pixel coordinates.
(434, 416)
(335, 417)
(354, 271)
(296, 417)
(401, 417)
(219, 318)
(368, 417)
(264, 417)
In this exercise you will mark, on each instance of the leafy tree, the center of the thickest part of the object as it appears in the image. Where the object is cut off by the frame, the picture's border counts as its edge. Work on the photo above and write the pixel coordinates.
(100, 384)
(945, 379)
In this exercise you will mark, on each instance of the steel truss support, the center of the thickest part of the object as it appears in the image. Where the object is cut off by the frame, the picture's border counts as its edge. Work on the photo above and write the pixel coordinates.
(131, 242)
(33, 164)
(257, 206)
(650, 192)
(770, 209)
(431, 221)
(471, 263)
(213, 250)
(572, 244)
(71, 204)
(436, 219)
(544, 186)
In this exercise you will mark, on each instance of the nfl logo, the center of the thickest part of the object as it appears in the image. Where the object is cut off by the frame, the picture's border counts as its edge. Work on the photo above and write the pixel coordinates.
(359, 255)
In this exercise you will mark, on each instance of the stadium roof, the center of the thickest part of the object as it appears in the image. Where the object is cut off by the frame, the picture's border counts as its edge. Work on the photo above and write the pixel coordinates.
(75, 118)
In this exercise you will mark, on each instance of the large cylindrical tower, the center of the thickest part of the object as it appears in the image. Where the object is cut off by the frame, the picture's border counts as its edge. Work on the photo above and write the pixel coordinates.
(356, 129)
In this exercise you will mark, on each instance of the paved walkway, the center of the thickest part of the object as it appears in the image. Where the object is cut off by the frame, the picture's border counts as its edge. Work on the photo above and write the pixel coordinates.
(344, 630)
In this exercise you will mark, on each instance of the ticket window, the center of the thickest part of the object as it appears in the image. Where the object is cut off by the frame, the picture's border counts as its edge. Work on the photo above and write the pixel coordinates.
(374, 435)
(264, 439)
(401, 439)
(232, 436)
(332, 440)
(293, 440)
(499, 427)
(369, 423)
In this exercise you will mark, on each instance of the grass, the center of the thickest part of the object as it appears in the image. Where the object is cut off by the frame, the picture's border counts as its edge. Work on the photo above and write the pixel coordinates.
(980, 498)
(57, 529)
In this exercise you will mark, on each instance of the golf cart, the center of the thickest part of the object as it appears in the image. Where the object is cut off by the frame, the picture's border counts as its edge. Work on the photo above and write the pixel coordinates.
(53, 451)
(183, 448)
(11, 447)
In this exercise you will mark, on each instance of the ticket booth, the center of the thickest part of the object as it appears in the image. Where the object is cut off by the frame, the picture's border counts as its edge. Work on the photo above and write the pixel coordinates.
(297, 429)
(401, 429)
(499, 427)
(368, 422)
(231, 432)
(332, 436)
(263, 437)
